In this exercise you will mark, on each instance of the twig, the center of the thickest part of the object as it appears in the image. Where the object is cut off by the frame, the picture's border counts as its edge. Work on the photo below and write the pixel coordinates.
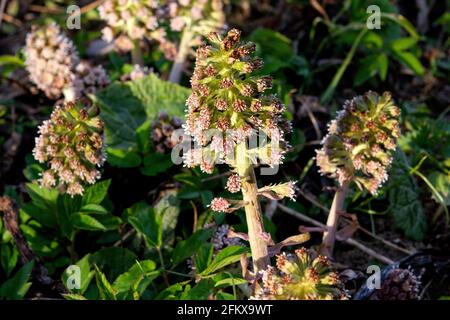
(42, 9)
(124, 238)
(314, 122)
(6, 17)
(349, 241)
(219, 176)
(313, 201)
(386, 242)
(91, 6)
(325, 209)
(11, 221)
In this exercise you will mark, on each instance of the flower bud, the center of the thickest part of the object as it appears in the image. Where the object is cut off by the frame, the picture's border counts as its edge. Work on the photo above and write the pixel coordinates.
(71, 145)
(360, 141)
(300, 277)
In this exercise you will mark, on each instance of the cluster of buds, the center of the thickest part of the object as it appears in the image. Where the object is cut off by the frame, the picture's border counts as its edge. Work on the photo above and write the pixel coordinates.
(130, 21)
(89, 79)
(221, 240)
(162, 132)
(71, 142)
(51, 58)
(228, 105)
(137, 73)
(200, 16)
(400, 284)
(360, 141)
(300, 277)
(54, 66)
(228, 108)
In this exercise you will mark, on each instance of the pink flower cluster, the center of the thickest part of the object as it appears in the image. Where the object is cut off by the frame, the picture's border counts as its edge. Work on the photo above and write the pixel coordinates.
(228, 106)
(71, 143)
(360, 141)
(54, 66)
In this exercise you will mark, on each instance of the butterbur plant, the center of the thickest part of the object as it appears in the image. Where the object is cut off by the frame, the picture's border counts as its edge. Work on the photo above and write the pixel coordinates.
(300, 277)
(226, 112)
(358, 148)
(54, 65)
(71, 143)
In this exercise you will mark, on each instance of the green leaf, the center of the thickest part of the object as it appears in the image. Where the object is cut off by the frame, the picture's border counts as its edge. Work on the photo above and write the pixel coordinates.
(86, 222)
(225, 257)
(403, 44)
(224, 296)
(123, 158)
(113, 261)
(66, 206)
(127, 106)
(172, 292)
(86, 275)
(17, 287)
(168, 207)
(229, 281)
(403, 22)
(96, 193)
(404, 199)
(146, 221)
(441, 183)
(93, 208)
(410, 60)
(40, 240)
(203, 256)
(107, 292)
(383, 65)
(155, 163)
(274, 48)
(201, 291)
(8, 257)
(368, 68)
(72, 296)
(136, 280)
(186, 248)
(9, 59)
(42, 197)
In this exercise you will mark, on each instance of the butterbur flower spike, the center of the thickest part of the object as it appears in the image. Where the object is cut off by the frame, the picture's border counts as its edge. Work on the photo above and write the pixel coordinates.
(130, 21)
(360, 141)
(358, 149)
(220, 102)
(300, 277)
(71, 143)
(194, 19)
(51, 58)
(228, 108)
(53, 64)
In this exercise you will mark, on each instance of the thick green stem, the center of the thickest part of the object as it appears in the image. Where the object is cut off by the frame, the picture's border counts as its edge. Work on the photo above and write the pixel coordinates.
(183, 49)
(253, 214)
(329, 236)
